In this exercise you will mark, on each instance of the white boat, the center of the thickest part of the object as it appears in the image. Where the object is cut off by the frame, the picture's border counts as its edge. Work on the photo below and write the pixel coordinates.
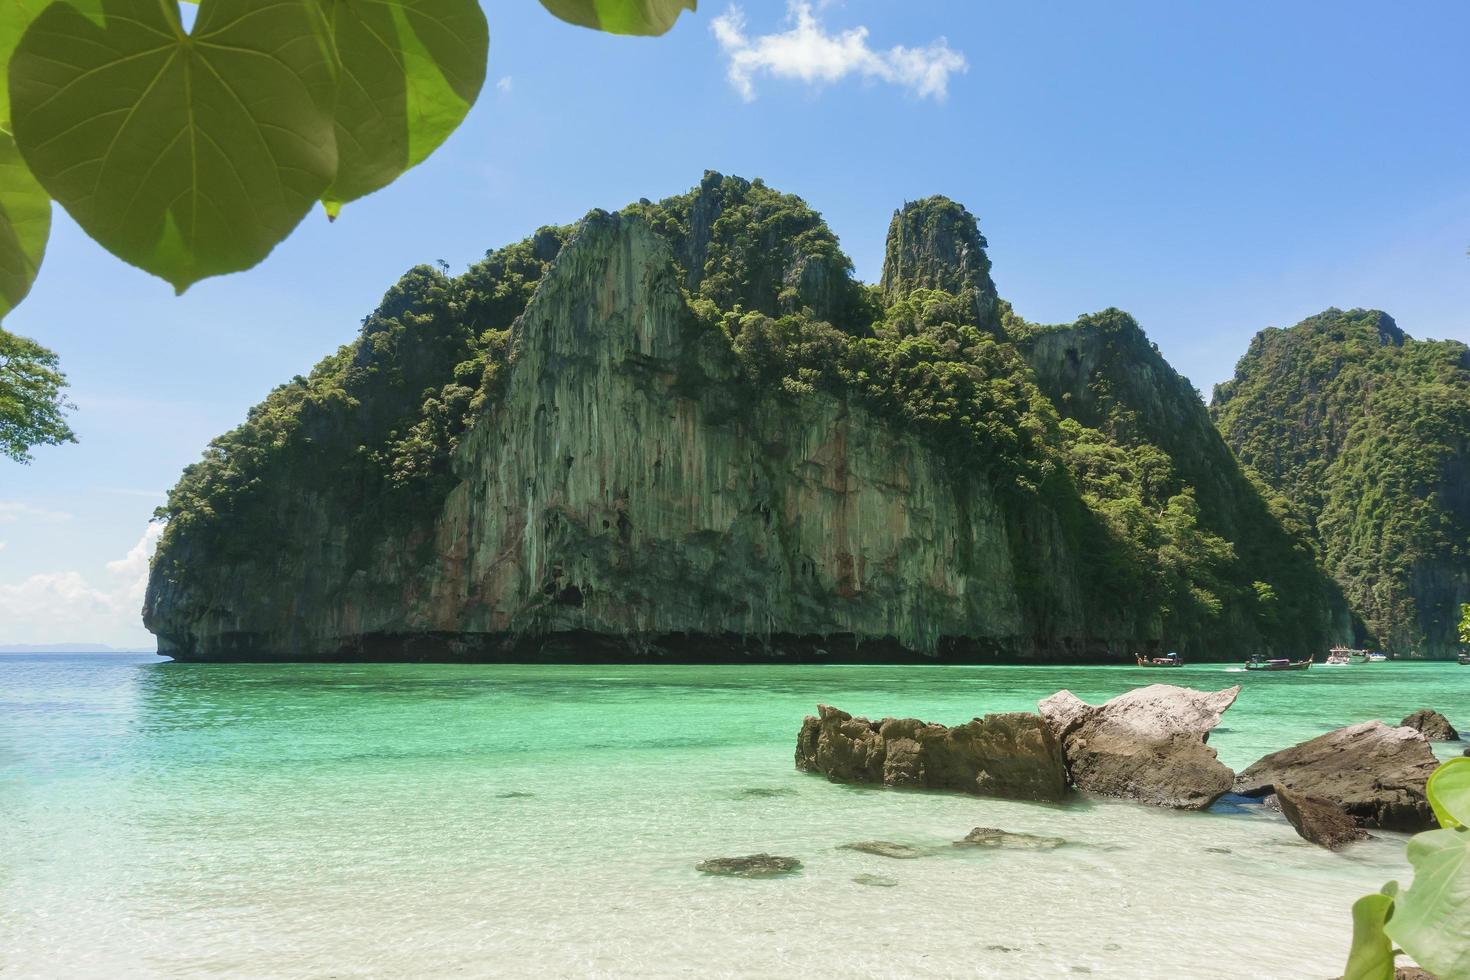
(1375, 658)
(1339, 657)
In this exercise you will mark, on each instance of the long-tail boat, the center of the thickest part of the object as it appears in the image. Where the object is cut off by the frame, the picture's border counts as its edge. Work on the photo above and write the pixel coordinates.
(1260, 662)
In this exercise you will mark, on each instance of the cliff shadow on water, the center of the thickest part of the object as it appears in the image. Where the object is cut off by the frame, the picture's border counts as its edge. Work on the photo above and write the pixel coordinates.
(685, 431)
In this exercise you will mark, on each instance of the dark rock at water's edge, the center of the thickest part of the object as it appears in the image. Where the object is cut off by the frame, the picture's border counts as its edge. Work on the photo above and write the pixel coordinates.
(1432, 725)
(1319, 821)
(1373, 773)
(750, 866)
(603, 472)
(1008, 840)
(1013, 755)
(1147, 745)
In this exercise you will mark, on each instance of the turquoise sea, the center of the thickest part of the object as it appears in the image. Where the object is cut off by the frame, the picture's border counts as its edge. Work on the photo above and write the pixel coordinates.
(160, 819)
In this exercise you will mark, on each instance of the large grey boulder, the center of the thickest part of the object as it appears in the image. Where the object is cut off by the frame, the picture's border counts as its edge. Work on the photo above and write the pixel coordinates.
(1147, 745)
(1013, 755)
(1372, 772)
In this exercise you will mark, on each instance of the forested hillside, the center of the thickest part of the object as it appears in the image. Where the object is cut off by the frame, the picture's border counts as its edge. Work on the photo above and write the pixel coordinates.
(1367, 430)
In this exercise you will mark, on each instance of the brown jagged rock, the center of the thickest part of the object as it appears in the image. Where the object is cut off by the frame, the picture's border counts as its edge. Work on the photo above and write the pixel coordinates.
(1146, 745)
(1319, 821)
(1012, 755)
(1432, 725)
(1373, 773)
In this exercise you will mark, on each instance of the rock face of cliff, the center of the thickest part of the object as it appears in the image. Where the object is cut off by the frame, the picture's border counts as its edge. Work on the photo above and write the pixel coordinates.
(1368, 431)
(936, 244)
(671, 433)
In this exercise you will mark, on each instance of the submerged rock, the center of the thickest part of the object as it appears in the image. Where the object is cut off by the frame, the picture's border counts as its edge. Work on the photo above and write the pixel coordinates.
(1015, 755)
(876, 881)
(991, 837)
(885, 848)
(1319, 821)
(1146, 745)
(1373, 773)
(1432, 725)
(750, 866)
(765, 792)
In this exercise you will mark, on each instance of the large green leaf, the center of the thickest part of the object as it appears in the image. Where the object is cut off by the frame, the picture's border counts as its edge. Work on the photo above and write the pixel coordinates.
(1431, 920)
(1371, 957)
(187, 154)
(621, 16)
(25, 223)
(15, 17)
(1449, 793)
(408, 72)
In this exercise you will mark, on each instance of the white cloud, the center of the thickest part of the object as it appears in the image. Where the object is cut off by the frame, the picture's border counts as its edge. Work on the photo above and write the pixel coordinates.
(54, 607)
(504, 85)
(808, 53)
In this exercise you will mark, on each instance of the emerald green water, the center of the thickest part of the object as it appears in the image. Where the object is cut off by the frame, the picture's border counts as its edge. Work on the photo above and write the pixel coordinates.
(171, 820)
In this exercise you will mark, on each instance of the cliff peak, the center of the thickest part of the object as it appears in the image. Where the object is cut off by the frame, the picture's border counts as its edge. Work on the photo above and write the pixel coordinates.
(935, 243)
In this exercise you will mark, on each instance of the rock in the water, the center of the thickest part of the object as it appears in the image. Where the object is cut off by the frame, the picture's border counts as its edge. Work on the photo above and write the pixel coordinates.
(991, 837)
(1014, 755)
(765, 792)
(885, 848)
(1373, 773)
(1146, 745)
(876, 881)
(1432, 725)
(750, 866)
(1319, 821)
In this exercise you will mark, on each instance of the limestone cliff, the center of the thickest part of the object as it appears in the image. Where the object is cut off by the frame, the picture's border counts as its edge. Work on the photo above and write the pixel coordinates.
(936, 244)
(1368, 430)
(681, 431)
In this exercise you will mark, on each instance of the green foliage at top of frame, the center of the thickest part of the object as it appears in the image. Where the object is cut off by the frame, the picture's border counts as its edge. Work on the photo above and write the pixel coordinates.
(193, 152)
(621, 16)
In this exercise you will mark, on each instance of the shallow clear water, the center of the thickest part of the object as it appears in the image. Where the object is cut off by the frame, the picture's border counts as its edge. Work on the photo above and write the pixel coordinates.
(392, 820)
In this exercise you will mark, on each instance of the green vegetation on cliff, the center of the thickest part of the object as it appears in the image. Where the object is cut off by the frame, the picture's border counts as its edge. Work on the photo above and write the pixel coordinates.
(373, 426)
(1186, 531)
(1122, 515)
(1368, 431)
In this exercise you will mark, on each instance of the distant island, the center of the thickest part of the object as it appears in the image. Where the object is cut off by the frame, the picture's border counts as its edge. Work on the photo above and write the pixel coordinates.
(685, 431)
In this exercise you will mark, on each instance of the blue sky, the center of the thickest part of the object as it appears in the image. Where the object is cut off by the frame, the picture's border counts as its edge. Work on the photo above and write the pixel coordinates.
(1211, 168)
